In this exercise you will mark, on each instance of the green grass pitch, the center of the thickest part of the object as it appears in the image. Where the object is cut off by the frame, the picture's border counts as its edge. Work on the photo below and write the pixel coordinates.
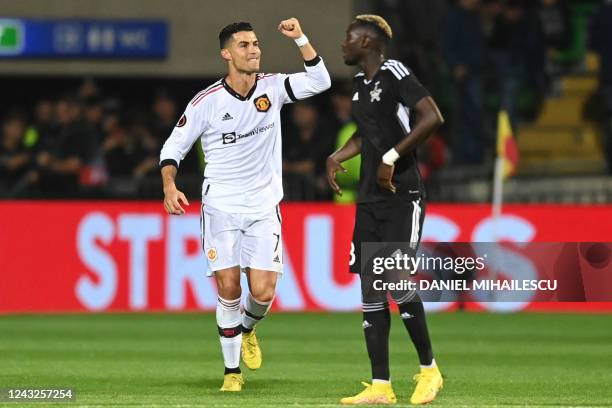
(172, 360)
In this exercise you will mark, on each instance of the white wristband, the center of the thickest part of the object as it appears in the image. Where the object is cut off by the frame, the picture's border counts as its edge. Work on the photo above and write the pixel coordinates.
(390, 157)
(301, 41)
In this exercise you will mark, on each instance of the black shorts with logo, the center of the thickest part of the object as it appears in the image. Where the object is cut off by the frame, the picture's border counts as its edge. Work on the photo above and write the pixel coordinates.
(394, 220)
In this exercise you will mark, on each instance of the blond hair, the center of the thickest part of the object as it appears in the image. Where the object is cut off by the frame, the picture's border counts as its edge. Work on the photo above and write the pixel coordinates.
(378, 22)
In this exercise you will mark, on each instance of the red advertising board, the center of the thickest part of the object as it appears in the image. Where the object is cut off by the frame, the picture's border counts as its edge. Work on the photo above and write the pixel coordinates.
(58, 256)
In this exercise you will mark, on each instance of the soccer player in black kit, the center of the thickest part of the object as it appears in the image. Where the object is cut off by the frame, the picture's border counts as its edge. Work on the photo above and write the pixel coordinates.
(394, 115)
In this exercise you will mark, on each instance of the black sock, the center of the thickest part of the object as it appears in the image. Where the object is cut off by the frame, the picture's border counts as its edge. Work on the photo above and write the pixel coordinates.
(376, 327)
(413, 316)
(232, 370)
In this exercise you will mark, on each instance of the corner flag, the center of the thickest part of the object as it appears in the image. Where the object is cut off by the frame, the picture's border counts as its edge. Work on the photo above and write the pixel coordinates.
(507, 149)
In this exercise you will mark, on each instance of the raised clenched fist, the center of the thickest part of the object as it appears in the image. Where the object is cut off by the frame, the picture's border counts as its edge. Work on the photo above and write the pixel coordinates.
(291, 28)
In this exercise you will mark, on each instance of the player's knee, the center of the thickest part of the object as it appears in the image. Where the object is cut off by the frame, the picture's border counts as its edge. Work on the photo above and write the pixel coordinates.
(229, 289)
(263, 293)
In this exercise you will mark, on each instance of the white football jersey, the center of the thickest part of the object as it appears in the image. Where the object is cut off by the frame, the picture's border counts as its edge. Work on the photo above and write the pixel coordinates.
(241, 137)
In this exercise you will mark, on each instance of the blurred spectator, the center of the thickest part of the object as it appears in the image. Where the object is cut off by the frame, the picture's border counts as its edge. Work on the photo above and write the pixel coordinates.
(165, 116)
(130, 150)
(111, 115)
(148, 163)
(61, 163)
(556, 24)
(464, 52)
(44, 129)
(88, 89)
(416, 34)
(601, 43)
(15, 158)
(95, 174)
(94, 117)
(433, 155)
(556, 27)
(43, 114)
(306, 145)
(515, 47)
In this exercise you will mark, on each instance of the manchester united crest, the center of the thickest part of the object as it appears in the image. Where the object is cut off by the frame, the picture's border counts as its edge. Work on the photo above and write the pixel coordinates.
(212, 254)
(262, 103)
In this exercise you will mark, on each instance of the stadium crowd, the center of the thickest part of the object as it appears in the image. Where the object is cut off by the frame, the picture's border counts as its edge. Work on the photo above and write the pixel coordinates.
(475, 57)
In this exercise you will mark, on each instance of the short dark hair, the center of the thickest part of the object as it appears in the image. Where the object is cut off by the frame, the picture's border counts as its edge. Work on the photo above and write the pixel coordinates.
(376, 24)
(232, 29)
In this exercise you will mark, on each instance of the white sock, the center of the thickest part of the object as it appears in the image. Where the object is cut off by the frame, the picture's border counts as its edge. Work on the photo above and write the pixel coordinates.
(377, 381)
(230, 331)
(254, 311)
(432, 365)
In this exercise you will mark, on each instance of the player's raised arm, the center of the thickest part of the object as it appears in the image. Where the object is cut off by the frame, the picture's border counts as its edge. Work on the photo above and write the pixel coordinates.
(316, 79)
(292, 29)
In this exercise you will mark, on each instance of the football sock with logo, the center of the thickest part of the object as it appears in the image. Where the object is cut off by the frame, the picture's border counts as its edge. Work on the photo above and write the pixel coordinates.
(413, 316)
(376, 327)
(254, 311)
(230, 333)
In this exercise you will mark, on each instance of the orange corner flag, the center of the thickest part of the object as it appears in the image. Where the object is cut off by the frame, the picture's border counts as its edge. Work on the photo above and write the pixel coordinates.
(507, 148)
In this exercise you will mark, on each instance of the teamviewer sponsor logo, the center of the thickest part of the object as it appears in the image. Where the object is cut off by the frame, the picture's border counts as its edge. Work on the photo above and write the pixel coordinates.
(232, 137)
(229, 138)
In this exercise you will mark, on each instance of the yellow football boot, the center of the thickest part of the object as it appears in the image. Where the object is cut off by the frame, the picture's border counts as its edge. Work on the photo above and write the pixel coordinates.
(232, 382)
(428, 383)
(376, 393)
(251, 353)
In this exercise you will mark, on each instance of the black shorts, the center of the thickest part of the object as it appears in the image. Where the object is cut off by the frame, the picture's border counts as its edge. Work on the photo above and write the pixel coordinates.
(386, 221)
(395, 222)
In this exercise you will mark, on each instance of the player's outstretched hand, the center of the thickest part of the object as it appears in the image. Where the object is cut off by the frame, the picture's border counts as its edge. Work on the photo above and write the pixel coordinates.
(333, 166)
(384, 176)
(172, 199)
(290, 28)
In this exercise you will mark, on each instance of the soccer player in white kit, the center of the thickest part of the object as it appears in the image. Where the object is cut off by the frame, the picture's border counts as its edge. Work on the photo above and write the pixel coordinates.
(237, 120)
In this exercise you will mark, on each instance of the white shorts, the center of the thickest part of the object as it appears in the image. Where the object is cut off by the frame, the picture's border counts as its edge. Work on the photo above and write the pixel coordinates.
(245, 240)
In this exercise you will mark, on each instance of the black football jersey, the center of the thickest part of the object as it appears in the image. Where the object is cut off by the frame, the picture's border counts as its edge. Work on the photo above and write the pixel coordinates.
(382, 109)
